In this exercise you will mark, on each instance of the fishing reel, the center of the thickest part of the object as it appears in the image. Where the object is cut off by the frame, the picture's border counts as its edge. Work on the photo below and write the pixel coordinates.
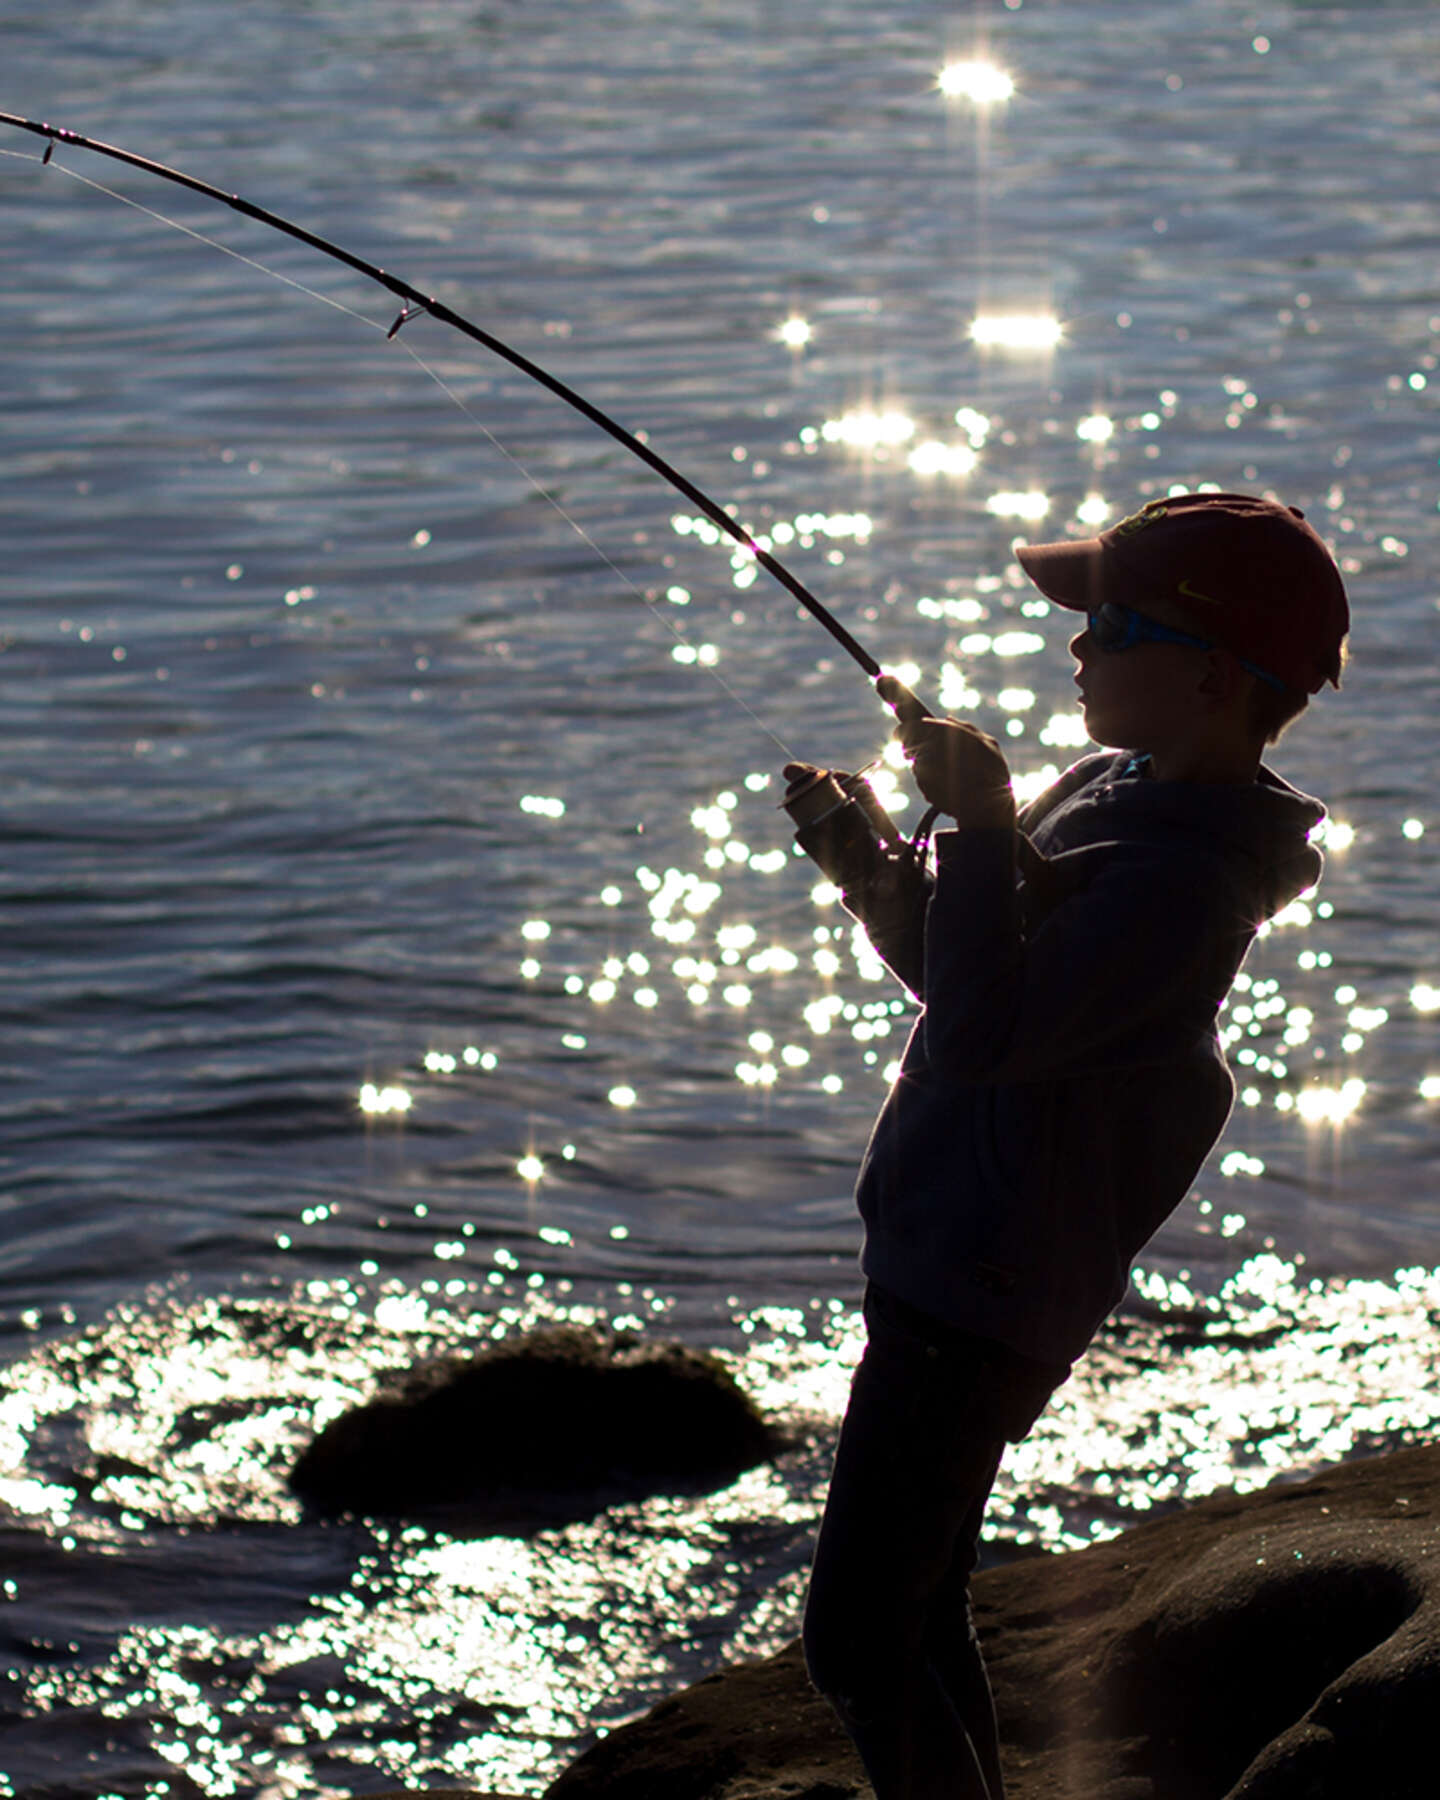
(842, 827)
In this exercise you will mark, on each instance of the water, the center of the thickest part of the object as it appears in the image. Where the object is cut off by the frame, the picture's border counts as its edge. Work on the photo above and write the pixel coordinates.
(401, 942)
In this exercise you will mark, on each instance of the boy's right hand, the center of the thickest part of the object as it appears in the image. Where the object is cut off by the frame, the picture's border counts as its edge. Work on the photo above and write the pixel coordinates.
(961, 770)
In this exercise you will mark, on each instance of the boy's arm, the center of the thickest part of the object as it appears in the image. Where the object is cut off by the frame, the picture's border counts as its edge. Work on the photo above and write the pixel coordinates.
(1149, 937)
(959, 770)
(859, 849)
(892, 907)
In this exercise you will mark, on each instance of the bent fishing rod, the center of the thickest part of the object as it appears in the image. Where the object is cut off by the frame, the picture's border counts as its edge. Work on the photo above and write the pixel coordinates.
(413, 302)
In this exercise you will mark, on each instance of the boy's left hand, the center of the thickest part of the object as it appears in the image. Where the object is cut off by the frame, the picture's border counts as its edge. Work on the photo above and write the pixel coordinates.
(960, 770)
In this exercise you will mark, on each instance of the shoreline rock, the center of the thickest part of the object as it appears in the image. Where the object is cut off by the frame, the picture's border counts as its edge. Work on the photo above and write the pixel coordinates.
(1281, 1645)
(551, 1426)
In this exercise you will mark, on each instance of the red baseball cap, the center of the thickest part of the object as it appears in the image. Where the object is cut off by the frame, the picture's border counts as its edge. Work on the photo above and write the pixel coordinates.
(1249, 573)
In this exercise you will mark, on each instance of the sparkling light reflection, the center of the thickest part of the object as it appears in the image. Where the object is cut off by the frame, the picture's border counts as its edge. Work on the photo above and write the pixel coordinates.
(866, 430)
(1330, 1106)
(803, 531)
(934, 458)
(1017, 331)
(1028, 504)
(982, 83)
(384, 1100)
(481, 1660)
(1093, 510)
(975, 425)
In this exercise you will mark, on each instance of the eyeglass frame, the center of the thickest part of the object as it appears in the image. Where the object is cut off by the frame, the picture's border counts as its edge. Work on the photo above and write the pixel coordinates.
(1140, 628)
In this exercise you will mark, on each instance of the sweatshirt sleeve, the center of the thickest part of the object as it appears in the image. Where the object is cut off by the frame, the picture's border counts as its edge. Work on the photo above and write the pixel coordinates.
(1150, 933)
(893, 908)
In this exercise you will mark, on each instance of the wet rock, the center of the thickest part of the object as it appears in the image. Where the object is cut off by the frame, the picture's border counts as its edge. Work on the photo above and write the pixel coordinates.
(554, 1425)
(1283, 1645)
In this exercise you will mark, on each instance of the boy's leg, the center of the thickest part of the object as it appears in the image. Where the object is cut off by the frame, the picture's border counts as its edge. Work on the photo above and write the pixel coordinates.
(954, 1651)
(887, 1632)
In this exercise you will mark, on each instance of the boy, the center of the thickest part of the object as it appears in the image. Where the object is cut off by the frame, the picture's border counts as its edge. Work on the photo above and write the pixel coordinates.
(1064, 1080)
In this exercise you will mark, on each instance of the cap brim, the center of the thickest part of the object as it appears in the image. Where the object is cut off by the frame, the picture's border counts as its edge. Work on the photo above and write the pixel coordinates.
(1071, 573)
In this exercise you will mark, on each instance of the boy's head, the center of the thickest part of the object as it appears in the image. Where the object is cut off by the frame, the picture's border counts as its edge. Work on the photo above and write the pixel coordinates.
(1243, 578)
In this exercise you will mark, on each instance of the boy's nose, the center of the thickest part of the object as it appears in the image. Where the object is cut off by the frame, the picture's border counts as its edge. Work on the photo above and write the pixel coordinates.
(1080, 643)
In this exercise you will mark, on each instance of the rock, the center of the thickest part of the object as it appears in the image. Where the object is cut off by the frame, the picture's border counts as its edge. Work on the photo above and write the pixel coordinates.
(554, 1425)
(1283, 1645)
(436, 1794)
(756, 1731)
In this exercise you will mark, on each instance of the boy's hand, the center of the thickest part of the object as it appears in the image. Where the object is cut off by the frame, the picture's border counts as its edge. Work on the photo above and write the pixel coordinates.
(960, 770)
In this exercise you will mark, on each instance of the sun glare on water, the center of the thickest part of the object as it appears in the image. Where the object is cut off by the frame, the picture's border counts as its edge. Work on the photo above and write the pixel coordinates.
(982, 83)
(935, 458)
(384, 1100)
(865, 429)
(1017, 331)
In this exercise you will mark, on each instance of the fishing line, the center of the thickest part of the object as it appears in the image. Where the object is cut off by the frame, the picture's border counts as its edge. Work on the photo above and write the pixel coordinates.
(189, 231)
(670, 625)
(458, 400)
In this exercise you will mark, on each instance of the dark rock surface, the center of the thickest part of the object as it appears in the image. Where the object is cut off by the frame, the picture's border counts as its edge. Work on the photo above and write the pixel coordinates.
(437, 1794)
(554, 1425)
(1283, 1645)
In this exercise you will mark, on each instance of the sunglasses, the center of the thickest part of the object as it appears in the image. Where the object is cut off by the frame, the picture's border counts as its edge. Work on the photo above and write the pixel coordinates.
(1115, 627)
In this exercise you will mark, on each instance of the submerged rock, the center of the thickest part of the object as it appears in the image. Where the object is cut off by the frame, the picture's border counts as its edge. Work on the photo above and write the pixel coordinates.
(557, 1424)
(1283, 1645)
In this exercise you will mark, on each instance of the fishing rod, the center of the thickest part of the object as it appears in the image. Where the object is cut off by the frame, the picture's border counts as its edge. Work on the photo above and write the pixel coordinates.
(907, 706)
(414, 302)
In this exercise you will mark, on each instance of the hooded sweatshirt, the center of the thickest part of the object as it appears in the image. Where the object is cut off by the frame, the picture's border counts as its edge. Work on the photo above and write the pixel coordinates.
(1064, 1080)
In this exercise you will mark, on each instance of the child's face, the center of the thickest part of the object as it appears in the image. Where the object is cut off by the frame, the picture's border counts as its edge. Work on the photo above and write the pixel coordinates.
(1143, 698)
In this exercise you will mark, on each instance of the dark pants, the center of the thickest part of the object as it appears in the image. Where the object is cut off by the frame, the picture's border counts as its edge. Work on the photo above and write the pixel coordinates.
(888, 1636)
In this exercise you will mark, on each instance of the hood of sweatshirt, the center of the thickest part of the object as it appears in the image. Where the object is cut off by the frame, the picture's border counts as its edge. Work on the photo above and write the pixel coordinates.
(1262, 828)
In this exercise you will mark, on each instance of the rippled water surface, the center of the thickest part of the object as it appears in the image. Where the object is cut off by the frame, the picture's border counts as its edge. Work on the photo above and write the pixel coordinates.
(401, 941)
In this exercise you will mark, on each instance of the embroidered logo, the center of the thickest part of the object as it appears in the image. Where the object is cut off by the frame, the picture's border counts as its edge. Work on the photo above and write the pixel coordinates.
(1191, 593)
(1149, 514)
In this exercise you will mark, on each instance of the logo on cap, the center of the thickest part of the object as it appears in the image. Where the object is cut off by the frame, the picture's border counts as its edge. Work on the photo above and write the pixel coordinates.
(1150, 514)
(1191, 593)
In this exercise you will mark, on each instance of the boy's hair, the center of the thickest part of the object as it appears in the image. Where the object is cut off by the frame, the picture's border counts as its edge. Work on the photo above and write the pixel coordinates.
(1274, 710)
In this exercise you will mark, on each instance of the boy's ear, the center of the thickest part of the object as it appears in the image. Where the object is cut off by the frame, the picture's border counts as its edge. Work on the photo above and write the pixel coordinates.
(1223, 678)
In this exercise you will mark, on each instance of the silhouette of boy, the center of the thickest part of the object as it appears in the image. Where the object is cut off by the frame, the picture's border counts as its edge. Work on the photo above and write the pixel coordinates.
(1064, 1080)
